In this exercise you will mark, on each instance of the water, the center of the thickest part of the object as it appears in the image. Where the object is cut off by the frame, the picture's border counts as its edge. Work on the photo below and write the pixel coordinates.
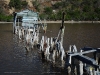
(15, 60)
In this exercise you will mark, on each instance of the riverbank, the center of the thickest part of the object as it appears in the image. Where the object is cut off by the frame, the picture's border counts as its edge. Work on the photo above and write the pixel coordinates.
(71, 21)
(64, 22)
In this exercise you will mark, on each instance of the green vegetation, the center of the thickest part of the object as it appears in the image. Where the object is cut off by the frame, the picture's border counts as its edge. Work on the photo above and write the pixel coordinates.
(24, 4)
(6, 18)
(36, 4)
(15, 3)
(18, 4)
(77, 10)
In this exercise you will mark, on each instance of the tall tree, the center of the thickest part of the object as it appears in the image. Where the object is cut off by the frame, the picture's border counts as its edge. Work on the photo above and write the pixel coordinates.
(15, 3)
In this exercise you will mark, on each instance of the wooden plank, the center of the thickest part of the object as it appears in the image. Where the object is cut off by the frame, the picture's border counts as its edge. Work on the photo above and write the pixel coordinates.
(80, 53)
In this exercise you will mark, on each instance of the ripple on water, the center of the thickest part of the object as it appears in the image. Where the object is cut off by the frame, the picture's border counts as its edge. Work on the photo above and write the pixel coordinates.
(14, 59)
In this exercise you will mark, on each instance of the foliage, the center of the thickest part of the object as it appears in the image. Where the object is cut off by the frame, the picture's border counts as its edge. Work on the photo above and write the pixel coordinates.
(15, 3)
(57, 5)
(18, 4)
(42, 16)
(77, 10)
(5, 18)
(36, 4)
(1, 9)
(24, 4)
(59, 15)
(48, 10)
(47, 13)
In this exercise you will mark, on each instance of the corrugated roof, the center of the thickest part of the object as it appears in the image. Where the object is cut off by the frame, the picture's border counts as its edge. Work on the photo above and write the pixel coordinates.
(27, 13)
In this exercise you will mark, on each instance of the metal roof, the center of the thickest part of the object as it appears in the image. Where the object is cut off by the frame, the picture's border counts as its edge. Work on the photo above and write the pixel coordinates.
(27, 13)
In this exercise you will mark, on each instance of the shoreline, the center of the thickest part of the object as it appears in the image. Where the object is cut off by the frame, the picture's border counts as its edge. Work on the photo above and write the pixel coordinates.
(64, 22)
(70, 22)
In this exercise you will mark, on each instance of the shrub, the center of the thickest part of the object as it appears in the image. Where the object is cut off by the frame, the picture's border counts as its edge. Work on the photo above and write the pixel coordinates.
(6, 18)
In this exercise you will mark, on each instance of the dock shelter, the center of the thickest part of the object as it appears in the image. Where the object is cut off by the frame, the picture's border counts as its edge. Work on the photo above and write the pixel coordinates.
(29, 18)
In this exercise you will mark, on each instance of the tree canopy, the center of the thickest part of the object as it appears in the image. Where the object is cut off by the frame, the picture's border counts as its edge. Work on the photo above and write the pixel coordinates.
(18, 4)
(77, 10)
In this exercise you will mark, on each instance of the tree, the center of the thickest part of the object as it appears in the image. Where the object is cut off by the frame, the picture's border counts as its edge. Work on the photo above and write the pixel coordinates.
(48, 10)
(59, 15)
(36, 4)
(11, 3)
(57, 5)
(1, 10)
(15, 3)
(24, 4)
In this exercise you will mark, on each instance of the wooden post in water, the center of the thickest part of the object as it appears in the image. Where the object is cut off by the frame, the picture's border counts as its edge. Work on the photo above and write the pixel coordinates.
(73, 65)
(97, 60)
(70, 59)
(94, 72)
(14, 21)
(81, 67)
(63, 14)
(70, 47)
(18, 22)
(75, 70)
(61, 29)
(95, 57)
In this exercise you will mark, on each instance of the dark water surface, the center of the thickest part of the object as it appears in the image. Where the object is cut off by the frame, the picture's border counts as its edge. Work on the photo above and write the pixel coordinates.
(14, 60)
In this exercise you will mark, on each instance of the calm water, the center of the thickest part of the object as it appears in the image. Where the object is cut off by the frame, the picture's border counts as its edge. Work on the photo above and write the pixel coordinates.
(14, 60)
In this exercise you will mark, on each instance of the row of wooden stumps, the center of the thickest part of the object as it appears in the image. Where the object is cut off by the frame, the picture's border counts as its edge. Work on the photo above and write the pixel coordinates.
(69, 68)
(84, 68)
(29, 38)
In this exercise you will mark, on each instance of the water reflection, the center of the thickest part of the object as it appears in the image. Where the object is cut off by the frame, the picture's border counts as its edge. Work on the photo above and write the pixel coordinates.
(15, 59)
